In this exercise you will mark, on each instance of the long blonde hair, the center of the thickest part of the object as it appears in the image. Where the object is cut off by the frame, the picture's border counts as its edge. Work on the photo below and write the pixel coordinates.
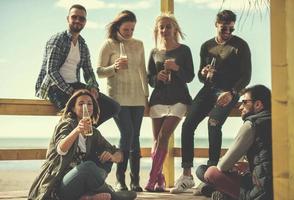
(178, 34)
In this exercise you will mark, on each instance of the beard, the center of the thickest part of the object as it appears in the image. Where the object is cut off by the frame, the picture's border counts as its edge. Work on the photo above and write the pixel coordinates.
(75, 28)
(226, 37)
(247, 114)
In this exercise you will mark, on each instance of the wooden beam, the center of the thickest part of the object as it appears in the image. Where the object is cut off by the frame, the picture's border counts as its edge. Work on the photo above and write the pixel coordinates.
(22, 154)
(46, 108)
(26, 107)
(40, 154)
(198, 152)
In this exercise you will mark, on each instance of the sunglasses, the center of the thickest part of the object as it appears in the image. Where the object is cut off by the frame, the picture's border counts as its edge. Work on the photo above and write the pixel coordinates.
(77, 17)
(227, 28)
(245, 101)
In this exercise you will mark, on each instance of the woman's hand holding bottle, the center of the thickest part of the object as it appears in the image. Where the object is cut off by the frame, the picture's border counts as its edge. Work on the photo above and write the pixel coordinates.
(121, 63)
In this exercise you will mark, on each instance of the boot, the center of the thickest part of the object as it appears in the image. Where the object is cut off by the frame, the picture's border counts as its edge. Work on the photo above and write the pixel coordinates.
(120, 195)
(120, 173)
(160, 186)
(135, 171)
(158, 159)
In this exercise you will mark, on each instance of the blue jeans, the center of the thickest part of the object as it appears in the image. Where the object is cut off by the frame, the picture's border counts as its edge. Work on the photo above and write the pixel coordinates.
(129, 121)
(85, 178)
(108, 107)
(202, 105)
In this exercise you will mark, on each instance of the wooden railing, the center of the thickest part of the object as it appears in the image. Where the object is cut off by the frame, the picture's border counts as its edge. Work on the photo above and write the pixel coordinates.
(45, 108)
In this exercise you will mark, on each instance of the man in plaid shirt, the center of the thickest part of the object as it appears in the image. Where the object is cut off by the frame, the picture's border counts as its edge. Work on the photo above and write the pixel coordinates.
(65, 54)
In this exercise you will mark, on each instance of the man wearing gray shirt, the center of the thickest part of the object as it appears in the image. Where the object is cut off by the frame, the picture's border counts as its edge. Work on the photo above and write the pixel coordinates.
(252, 179)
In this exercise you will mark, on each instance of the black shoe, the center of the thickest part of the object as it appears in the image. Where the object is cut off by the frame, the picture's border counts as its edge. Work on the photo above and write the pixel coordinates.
(216, 195)
(121, 186)
(207, 190)
(136, 188)
(120, 195)
(203, 189)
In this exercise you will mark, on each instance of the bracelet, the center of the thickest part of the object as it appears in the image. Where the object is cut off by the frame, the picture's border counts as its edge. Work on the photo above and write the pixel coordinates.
(233, 92)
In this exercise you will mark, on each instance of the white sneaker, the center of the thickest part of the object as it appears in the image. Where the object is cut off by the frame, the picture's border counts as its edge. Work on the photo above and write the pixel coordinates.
(182, 184)
(198, 190)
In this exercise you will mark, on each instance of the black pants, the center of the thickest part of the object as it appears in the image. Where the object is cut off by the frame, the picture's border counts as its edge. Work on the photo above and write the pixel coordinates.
(202, 105)
(108, 107)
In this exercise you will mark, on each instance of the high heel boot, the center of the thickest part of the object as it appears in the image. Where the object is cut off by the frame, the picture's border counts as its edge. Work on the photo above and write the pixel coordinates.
(157, 163)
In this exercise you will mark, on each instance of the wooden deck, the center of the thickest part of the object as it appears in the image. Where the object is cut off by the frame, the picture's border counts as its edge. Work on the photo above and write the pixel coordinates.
(22, 195)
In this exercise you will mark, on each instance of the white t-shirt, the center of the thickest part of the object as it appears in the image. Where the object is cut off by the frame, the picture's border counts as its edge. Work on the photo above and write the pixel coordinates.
(68, 70)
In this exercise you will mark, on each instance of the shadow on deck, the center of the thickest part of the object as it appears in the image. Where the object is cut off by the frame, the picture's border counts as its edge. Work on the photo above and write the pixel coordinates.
(22, 195)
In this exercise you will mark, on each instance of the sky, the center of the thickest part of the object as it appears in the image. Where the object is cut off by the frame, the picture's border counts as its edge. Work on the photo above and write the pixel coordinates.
(27, 25)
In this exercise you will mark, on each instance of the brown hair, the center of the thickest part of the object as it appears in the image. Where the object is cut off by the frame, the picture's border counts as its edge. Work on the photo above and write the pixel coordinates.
(113, 27)
(68, 110)
(226, 16)
(78, 6)
(261, 93)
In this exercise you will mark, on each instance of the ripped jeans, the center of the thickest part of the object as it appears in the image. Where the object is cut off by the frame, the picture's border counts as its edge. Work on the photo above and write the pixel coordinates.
(204, 104)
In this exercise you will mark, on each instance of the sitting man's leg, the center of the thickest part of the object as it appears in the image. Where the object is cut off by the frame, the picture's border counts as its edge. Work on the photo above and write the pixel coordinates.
(57, 97)
(203, 188)
(228, 183)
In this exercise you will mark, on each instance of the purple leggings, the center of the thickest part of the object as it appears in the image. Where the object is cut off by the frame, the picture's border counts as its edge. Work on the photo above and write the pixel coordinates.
(226, 182)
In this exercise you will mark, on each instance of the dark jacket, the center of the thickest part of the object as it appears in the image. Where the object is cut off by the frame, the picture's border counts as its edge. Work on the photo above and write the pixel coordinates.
(233, 63)
(177, 90)
(260, 160)
(56, 166)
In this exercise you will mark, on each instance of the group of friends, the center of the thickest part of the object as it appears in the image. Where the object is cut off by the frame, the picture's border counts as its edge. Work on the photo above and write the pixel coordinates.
(76, 165)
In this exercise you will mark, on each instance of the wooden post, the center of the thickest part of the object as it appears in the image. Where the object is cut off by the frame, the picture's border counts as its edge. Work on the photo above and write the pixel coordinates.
(167, 6)
(282, 43)
(168, 166)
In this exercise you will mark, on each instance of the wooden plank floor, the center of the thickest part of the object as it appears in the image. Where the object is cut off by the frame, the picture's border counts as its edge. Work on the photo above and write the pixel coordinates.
(22, 195)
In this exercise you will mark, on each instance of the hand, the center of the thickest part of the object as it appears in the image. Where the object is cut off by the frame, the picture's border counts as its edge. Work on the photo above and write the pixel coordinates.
(121, 63)
(224, 99)
(162, 75)
(83, 126)
(241, 168)
(170, 64)
(105, 156)
(205, 70)
(117, 157)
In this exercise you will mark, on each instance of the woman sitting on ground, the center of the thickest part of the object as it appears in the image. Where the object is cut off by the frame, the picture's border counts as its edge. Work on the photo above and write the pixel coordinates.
(71, 169)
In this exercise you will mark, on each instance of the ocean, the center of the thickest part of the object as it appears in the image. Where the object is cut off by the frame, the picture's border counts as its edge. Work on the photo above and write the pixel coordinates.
(15, 143)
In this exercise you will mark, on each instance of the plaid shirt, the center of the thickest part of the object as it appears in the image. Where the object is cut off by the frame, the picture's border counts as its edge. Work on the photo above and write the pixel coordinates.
(56, 52)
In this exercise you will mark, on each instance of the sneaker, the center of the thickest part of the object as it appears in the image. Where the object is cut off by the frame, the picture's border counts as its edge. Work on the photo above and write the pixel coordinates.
(203, 189)
(182, 184)
(198, 189)
(216, 195)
